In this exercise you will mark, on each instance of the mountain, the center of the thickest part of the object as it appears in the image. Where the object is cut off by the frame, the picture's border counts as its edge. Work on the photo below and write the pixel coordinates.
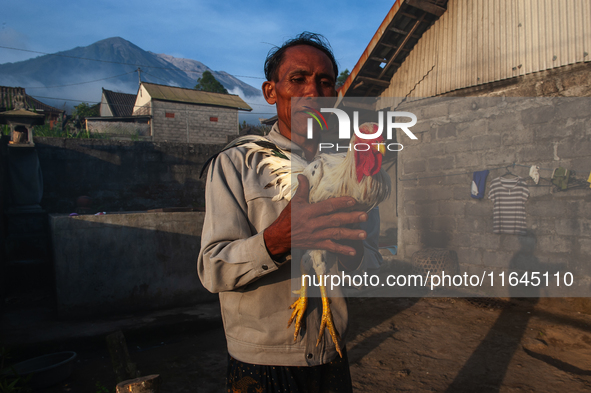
(194, 69)
(64, 76)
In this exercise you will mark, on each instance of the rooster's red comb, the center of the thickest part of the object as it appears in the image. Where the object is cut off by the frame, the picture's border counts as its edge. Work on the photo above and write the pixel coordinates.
(368, 128)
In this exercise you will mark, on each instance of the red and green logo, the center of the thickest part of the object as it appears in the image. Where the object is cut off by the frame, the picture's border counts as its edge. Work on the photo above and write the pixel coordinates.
(315, 114)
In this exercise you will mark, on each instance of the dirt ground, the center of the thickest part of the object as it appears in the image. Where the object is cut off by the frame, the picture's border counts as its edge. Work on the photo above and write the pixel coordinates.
(395, 345)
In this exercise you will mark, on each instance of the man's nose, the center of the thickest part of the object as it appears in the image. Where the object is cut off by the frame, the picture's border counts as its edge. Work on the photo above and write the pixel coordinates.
(313, 89)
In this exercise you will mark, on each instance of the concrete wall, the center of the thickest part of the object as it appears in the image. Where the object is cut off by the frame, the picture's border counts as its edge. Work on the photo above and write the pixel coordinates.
(459, 135)
(143, 110)
(3, 206)
(121, 175)
(122, 263)
(191, 123)
(105, 110)
(388, 210)
(119, 128)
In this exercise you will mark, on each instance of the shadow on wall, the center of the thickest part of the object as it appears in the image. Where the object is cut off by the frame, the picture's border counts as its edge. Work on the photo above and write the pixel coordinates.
(122, 263)
(121, 175)
(435, 232)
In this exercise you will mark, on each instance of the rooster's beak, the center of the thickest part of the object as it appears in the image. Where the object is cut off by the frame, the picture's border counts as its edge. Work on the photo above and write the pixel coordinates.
(380, 148)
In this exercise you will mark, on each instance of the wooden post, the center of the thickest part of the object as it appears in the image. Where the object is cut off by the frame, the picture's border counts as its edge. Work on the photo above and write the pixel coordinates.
(147, 384)
(122, 366)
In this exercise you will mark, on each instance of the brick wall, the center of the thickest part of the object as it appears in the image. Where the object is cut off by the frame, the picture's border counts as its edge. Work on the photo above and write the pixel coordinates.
(459, 135)
(176, 122)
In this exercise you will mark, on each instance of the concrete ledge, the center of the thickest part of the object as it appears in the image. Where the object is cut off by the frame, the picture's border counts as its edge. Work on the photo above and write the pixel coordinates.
(121, 263)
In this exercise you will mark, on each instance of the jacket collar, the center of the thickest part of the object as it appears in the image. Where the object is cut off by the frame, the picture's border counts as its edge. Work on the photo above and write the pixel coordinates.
(282, 142)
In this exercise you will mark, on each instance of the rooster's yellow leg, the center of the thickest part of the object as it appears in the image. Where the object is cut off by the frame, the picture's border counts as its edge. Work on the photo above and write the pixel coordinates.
(327, 321)
(299, 309)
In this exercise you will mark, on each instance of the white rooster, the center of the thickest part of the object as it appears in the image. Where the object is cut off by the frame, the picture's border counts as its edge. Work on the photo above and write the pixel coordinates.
(357, 174)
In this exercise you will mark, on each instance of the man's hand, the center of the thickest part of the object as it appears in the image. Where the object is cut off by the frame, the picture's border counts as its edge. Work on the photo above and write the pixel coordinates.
(315, 226)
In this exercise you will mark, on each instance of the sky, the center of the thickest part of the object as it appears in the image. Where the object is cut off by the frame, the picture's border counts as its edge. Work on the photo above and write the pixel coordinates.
(232, 36)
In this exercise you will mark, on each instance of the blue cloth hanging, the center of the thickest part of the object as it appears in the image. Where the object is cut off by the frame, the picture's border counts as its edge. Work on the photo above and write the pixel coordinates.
(478, 184)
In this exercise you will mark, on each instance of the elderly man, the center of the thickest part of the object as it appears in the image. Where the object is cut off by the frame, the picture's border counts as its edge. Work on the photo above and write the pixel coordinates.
(248, 237)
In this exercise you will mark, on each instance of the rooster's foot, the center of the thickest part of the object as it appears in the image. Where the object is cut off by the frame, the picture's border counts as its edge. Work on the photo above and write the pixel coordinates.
(299, 309)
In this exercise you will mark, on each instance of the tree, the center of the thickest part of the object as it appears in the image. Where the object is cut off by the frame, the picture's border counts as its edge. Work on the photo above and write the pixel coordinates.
(342, 78)
(81, 112)
(207, 82)
(84, 110)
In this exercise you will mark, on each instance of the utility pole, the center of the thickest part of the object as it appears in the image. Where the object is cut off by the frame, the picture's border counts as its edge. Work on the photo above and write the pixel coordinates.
(139, 76)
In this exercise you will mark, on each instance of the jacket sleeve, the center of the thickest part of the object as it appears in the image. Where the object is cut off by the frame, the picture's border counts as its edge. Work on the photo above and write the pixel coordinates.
(232, 253)
(372, 259)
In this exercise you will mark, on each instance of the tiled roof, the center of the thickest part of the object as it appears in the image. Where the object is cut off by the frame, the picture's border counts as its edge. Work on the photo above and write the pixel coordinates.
(192, 96)
(7, 95)
(41, 107)
(35, 119)
(270, 121)
(121, 104)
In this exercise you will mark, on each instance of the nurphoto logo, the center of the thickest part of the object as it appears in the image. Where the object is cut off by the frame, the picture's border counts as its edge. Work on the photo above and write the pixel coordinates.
(392, 122)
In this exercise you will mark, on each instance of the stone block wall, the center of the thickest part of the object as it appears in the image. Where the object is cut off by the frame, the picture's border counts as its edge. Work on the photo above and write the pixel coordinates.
(121, 175)
(389, 208)
(176, 122)
(457, 136)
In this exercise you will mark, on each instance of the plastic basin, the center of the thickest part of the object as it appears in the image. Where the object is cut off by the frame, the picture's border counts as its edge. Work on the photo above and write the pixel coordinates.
(45, 370)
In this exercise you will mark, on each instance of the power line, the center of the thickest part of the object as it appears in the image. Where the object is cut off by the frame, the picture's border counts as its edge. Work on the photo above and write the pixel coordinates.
(154, 76)
(470, 172)
(66, 99)
(80, 83)
(165, 108)
(123, 105)
(252, 103)
(118, 62)
(110, 77)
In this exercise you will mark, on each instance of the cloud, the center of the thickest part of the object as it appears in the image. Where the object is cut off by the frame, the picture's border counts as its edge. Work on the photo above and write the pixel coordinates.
(67, 97)
(260, 108)
(8, 80)
(13, 39)
(232, 36)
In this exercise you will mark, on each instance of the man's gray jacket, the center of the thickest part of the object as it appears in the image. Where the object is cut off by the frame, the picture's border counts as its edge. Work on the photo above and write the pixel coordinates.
(256, 291)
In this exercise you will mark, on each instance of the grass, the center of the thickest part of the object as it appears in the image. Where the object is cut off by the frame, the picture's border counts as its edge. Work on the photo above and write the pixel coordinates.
(10, 383)
(57, 132)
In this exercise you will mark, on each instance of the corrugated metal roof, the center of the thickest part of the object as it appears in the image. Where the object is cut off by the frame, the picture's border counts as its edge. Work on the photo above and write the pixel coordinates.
(479, 42)
(399, 32)
(121, 104)
(192, 96)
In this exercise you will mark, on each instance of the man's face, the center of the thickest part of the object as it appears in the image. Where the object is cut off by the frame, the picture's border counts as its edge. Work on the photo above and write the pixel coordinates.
(304, 72)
